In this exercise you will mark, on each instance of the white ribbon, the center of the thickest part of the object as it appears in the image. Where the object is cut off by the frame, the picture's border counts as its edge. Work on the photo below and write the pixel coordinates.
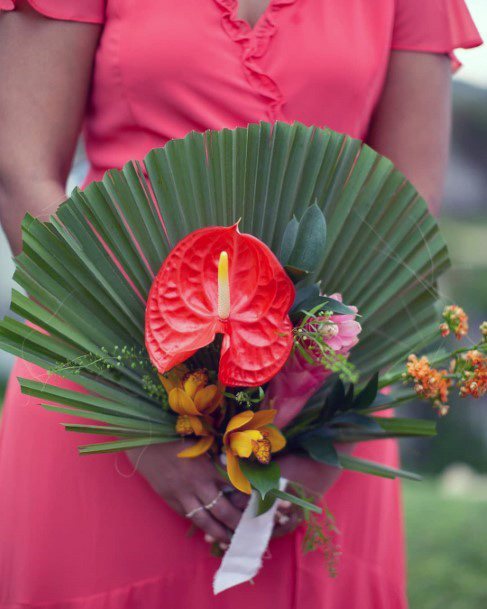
(243, 559)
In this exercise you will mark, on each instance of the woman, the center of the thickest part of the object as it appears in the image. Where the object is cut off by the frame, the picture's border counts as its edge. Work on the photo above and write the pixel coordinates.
(89, 533)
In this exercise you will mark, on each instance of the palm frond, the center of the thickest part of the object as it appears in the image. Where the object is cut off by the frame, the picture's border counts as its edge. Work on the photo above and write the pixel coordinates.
(88, 270)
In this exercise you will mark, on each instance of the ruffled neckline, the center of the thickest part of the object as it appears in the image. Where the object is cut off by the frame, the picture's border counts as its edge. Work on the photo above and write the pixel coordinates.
(254, 43)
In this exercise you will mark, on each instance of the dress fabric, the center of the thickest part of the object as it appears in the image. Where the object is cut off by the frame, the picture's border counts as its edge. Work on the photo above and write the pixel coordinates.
(88, 532)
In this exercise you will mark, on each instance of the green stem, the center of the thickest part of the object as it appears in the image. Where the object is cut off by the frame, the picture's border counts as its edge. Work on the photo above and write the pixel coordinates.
(392, 404)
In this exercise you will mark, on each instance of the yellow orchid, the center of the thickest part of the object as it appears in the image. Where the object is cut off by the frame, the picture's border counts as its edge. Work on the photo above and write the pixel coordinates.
(193, 399)
(250, 433)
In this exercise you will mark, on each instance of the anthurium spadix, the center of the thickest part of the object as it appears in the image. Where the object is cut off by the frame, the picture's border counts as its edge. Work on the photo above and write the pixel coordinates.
(219, 281)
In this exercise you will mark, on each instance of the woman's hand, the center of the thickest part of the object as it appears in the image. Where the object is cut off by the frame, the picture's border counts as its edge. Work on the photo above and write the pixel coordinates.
(187, 485)
(315, 478)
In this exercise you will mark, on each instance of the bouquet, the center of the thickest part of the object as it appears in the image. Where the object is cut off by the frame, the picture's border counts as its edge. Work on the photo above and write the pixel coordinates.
(200, 297)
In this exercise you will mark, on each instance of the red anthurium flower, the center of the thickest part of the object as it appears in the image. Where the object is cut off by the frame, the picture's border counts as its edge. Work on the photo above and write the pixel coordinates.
(217, 280)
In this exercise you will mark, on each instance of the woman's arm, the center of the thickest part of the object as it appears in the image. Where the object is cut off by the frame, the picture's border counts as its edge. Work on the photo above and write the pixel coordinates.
(45, 72)
(411, 125)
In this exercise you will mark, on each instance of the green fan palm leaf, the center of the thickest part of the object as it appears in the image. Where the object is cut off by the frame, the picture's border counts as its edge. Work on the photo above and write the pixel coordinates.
(88, 270)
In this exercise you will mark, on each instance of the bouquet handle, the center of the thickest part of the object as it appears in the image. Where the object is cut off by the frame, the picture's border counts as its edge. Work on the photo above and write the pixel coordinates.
(243, 559)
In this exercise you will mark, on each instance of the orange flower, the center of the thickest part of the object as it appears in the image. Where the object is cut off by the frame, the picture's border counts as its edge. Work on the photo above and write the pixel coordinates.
(429, 383)
(193, 399)
(456, 321)
(474, 382)
(475, 358)
(250, 434)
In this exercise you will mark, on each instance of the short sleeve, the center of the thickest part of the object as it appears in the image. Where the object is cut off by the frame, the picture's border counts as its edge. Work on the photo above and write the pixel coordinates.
(434, 26)
(87, 11)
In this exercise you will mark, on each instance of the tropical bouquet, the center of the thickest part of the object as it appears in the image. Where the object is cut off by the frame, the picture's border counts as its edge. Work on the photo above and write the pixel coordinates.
(200, 297)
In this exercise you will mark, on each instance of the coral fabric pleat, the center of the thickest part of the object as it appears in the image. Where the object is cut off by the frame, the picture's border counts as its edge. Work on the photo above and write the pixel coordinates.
(88, 532)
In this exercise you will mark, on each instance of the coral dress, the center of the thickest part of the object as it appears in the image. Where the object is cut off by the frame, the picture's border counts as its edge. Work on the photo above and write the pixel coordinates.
(88, 533)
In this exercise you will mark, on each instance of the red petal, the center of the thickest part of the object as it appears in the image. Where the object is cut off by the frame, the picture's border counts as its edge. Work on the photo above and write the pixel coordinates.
(182, 309)
(254, 351)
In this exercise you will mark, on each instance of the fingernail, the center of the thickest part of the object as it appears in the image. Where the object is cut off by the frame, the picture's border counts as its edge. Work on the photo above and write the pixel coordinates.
(283, 519)
(209, 538)
(223, 546)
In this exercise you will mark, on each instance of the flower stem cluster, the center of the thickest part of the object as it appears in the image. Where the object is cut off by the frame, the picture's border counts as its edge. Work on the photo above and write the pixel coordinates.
(455, 321)
(483, 331)
(468, 367)
(312, 338)
(320, 533)
(132, 360)
(429, 383)
(472, 368)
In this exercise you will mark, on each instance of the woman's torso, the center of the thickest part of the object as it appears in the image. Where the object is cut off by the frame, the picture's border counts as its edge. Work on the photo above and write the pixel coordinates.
(174, 67)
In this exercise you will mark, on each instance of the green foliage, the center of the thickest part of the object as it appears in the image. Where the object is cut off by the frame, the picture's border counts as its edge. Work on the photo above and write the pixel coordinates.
(368, 394)
(308, 298)
(376, 469)
(320, 448)
(321, 535)
(383, 252)
(334, 416)
(447, 560)
(303, 244)
(306, 505)
(336, 413)
(263, 478)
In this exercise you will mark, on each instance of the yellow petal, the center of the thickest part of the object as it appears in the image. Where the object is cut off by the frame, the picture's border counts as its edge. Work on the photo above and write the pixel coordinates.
(203, 400)
(195, 381)
(198, 448)
(241, 442)
(239, 420)
(166, 383)
(183, 425)
(181, 403)
(261, 418)
(236, 476)
(275, 437)
(172, 379)
(197, 425)
(216, 402)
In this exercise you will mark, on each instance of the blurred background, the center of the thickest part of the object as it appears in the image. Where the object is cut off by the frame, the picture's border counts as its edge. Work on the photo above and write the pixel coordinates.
(446, 513)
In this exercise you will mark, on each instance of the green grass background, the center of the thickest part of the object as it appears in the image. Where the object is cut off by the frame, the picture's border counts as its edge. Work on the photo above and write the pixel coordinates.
(447, 555)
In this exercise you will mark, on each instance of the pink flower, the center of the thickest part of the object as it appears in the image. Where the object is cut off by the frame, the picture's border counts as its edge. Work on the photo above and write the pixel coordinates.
(292, 387)
(299, 379)
(342, 330)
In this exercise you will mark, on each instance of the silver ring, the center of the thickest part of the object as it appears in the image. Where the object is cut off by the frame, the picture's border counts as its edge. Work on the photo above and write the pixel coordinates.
(212, 504)
(195, 511)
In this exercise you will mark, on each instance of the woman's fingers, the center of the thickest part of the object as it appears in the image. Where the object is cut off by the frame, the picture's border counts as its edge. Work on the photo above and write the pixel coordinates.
(196, 512)
(287, 521)
(221, 508)
(287, 518)
(239, 500)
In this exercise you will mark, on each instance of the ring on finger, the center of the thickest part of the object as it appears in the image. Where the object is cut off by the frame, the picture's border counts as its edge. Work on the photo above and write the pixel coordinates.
(191, 513)
(212, 503)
